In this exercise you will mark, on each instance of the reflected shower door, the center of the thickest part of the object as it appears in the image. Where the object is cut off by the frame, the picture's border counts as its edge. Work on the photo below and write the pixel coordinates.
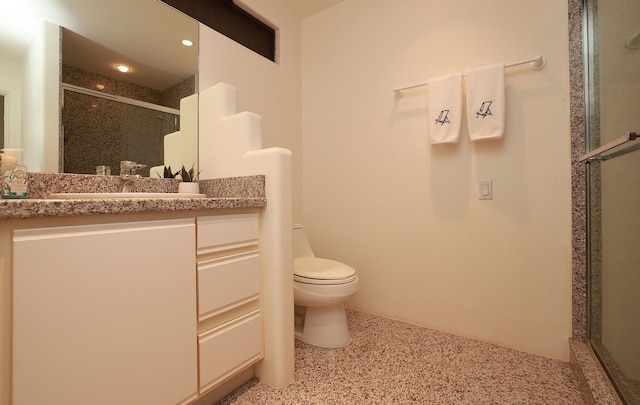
(99, 131)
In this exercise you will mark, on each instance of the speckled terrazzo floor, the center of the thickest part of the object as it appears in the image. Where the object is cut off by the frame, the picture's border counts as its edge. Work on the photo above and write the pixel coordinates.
(390, 362)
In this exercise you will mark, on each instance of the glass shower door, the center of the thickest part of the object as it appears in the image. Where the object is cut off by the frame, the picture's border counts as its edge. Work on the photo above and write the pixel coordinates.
(613, 72)
(615, 272)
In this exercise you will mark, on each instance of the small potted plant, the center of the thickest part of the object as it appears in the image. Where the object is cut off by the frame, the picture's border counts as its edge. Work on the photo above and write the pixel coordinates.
(168, 174)
(189, 183)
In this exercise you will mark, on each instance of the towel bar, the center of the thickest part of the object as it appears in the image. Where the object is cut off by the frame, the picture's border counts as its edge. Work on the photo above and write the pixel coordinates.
(537, 63)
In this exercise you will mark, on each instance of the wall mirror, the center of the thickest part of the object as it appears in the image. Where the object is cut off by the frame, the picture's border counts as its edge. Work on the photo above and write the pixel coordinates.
(107, 115)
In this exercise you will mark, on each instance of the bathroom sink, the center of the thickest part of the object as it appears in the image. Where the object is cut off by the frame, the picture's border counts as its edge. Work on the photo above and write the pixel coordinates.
(78, 196)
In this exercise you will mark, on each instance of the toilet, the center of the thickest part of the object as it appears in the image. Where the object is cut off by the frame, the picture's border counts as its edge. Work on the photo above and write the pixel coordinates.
(320, 288)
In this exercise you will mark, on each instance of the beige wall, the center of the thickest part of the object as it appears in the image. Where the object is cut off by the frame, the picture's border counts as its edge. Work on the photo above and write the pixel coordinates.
(405, 214)
(271, 90)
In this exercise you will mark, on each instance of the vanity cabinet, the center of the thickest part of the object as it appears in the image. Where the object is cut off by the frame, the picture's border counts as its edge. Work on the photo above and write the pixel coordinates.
(105, 314)
(159, 309)
(229, 317)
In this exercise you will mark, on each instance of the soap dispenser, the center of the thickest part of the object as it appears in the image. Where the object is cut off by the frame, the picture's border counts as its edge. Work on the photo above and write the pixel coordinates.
(14, 175)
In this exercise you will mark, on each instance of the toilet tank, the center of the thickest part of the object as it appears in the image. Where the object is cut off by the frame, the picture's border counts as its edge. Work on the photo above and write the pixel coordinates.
(301, 246)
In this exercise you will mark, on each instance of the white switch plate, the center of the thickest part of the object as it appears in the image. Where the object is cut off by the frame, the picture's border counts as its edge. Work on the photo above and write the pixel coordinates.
(486, 190)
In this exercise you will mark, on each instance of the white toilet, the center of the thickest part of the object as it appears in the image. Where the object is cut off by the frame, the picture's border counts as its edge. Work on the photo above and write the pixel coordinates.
(320, 288)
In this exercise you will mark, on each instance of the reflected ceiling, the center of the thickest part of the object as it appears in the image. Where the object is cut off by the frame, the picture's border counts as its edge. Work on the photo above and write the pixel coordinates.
(146, 29)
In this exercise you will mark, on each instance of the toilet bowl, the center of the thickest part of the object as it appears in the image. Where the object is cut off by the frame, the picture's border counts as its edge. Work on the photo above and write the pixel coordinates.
(320, 288)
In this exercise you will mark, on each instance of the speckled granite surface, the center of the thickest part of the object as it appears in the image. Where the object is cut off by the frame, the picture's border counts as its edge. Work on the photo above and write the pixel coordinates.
(578, 173)
(593, 382)
(390, 362)
(236, 192)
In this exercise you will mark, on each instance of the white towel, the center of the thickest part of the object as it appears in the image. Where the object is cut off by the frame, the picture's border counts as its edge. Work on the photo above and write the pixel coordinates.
(445, 108)
(486, 102)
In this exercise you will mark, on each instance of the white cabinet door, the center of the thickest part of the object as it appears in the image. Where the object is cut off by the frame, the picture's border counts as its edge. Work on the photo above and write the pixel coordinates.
(105, 314)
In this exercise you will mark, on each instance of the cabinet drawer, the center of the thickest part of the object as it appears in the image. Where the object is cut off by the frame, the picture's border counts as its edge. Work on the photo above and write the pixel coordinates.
(229, 348)
(227, 282)
(226, 232)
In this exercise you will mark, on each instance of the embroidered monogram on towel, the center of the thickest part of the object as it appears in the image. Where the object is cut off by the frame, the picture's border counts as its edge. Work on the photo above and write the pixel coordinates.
(485, 109)
(443, 118)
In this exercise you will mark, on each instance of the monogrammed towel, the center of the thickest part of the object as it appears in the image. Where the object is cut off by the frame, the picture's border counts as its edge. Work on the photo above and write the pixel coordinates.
(486, 102)
(445, 108)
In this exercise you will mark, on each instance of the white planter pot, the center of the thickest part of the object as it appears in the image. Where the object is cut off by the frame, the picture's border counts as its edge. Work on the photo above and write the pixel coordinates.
(189, 187)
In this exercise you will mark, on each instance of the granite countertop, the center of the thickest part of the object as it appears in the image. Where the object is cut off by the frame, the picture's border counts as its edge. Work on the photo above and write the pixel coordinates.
(237, 192)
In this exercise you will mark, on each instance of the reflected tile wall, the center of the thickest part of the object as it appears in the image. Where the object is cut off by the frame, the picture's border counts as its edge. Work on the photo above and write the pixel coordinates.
(99, 131)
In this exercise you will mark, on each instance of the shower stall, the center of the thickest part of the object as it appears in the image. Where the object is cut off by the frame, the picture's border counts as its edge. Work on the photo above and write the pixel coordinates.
(612, 83)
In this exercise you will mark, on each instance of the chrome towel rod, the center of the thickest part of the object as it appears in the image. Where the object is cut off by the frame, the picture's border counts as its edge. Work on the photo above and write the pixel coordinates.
(631, 136)
(537, 63)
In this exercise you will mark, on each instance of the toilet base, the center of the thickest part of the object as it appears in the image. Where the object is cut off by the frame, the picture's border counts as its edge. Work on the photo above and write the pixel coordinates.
(325, 326)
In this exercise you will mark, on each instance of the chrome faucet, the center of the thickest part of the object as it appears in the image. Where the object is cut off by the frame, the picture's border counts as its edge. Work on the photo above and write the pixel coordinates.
(128, 175)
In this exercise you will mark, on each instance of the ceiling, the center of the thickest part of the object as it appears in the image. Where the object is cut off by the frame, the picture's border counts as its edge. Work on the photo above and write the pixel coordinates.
(306, 8)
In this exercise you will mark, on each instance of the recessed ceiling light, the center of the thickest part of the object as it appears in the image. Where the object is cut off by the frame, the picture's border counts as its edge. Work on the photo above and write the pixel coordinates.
(123, 68)
(187, 42)
(100, 86)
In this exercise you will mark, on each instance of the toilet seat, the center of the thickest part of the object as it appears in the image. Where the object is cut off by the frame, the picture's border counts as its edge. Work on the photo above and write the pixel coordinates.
(314, 270)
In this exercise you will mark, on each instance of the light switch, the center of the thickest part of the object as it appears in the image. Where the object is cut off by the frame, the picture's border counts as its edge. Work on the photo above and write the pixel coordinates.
(486, 190)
